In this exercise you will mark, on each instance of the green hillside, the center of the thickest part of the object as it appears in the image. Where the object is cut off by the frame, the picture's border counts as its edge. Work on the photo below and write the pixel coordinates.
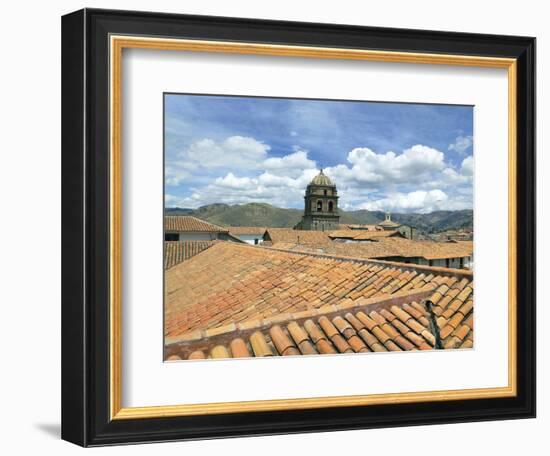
(261, 214)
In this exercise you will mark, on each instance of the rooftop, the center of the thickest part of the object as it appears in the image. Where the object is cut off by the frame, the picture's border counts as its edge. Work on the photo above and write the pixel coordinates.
(355, 226)
(361, 235)
(391, 246)
(276, 235)
(240, 230)
(234, 297)
(177, 251)
(390, 324)
(182, 223)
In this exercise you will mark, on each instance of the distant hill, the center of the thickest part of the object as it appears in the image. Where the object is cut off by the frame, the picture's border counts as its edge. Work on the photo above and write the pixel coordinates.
(437, 221)
(261, 214)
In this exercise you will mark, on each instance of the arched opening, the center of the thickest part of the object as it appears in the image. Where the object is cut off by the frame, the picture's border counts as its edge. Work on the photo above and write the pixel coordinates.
(319, 206)
(330, 206)
(325, 192)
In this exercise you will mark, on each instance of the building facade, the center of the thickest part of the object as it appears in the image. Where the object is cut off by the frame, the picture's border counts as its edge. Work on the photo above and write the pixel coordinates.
(321, 205)
(389, 225)
(253, 235)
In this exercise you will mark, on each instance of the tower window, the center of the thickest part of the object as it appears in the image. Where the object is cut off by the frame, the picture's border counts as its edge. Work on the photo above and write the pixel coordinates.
(319, 206)
(325, 192)
(330, 206)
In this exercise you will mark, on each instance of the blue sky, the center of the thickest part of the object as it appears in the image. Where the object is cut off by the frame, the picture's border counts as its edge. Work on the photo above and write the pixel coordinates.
(382, 156)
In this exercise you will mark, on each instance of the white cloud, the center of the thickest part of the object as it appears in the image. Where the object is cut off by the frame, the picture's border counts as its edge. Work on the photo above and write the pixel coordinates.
(462, 144)
(231, 181)
(368, 167)
(235, 151)
(418, 201)
(205, 155)
(282, 191)
(293, 133)
(416, 180)
(291, 164)
(467, 168)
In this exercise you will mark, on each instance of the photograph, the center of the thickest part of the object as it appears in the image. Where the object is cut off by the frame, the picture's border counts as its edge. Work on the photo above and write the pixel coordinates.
(316, 227)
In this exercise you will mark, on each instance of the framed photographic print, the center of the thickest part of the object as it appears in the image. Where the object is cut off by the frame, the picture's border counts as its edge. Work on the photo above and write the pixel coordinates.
(279, 227)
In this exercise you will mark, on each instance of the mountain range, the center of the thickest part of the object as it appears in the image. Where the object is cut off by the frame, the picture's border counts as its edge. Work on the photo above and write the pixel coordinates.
(262, 214)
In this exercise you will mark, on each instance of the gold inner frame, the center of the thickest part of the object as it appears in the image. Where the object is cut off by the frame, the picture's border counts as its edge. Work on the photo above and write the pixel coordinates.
(117, 44)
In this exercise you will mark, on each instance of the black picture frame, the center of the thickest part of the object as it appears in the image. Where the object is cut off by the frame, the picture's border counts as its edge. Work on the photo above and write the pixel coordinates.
(85, 227)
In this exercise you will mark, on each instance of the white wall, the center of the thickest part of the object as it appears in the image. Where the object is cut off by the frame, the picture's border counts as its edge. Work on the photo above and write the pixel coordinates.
(30, 189)
(250, 238)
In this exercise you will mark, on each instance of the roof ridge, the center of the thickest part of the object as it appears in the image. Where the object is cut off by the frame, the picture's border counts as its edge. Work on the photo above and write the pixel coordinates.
(403, 266)
(299, 255)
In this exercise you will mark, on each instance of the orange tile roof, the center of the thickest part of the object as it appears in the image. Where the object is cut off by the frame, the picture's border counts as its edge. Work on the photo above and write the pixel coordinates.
(397, 322)
(240, 286)
(239, 230)
(177, 251)
(393, 246)
(276, 235)
(360, 235)
(183, 223)
(355, 226)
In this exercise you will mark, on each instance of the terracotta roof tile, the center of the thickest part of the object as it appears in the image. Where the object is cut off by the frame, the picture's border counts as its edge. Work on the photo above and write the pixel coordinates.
(327, 326)
(198, 354)
(298, 237)
(386, 247)
(284, 345)
(362, 235)
(240, 230)
(392, 346)
(467, 344)
(187, 223)
(263, 302)
(259, 345)
(239, 349)
(307, 348)
(220, 351)
(325, 347)
(297, 332)
(177, 251)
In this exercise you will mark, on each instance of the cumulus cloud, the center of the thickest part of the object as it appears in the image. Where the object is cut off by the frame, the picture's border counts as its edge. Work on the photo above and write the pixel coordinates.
(239, 170)
(235, 151)
(291, 164)
(467, 167)
(462, 144)
(231, 181)
(419, 201)
(205, 155)
(415, 164)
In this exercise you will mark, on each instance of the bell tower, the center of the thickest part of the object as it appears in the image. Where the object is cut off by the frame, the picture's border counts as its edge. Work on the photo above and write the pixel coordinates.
(321, 205)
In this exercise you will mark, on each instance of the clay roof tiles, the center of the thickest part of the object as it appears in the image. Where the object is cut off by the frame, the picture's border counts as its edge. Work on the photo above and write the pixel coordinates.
(261, 302)
(240, 230)
(360, 235)
(187, 223)
(386, 328)
(390, 246)
(177, 251)
(289, 235)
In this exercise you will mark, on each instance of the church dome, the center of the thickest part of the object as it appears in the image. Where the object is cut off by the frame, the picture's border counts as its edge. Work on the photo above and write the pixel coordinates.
(388, 222)
(321, 179)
